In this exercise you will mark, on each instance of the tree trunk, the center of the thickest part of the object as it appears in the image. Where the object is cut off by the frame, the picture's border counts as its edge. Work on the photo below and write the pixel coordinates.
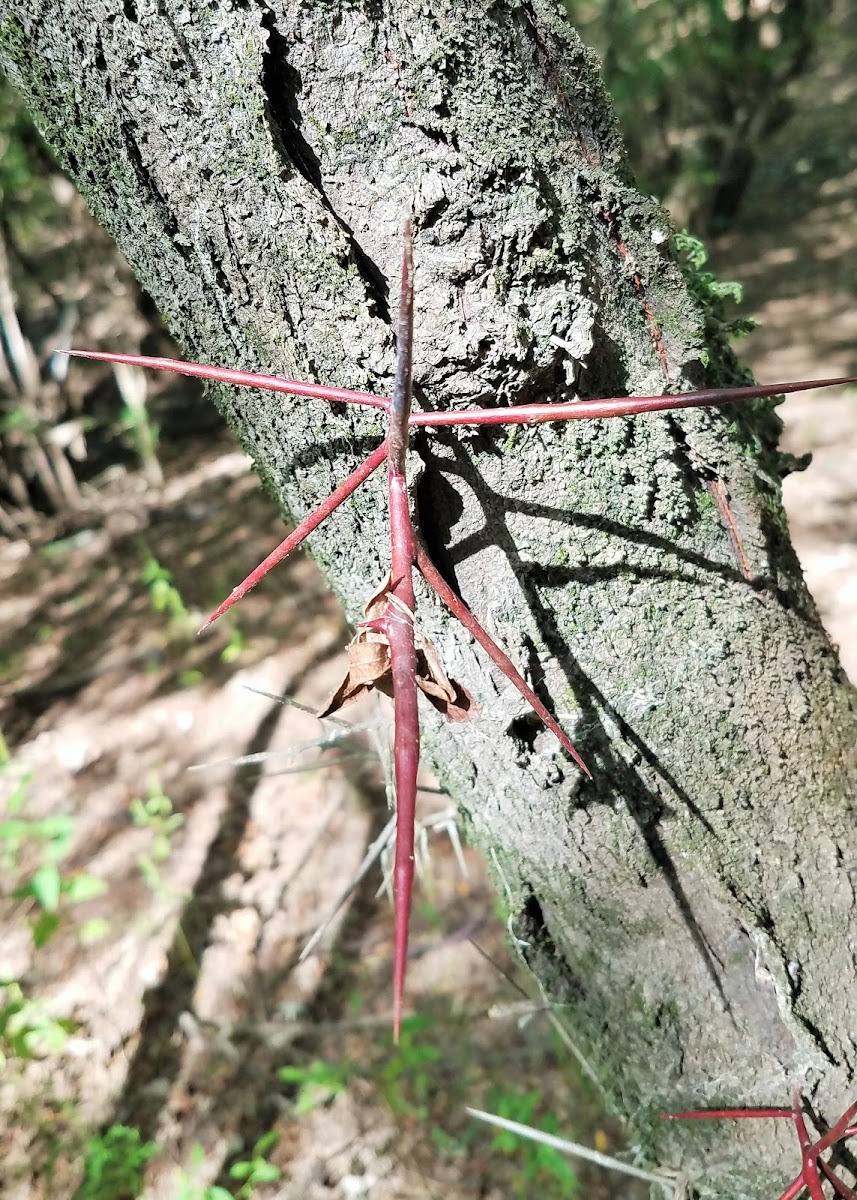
(694, 904)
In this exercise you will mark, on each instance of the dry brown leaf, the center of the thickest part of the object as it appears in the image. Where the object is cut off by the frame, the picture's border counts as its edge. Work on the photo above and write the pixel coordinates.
(447, 695)
(369, 666)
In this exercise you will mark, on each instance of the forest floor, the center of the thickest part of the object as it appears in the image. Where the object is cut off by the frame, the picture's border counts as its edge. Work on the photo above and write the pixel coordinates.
(184, 976)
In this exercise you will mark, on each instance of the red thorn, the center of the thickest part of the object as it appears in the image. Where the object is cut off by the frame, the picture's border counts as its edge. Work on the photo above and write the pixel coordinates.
(697, 1114)
(315, 518)
(618, 406)
(268, 383)
(460, 610)
(809, 1178)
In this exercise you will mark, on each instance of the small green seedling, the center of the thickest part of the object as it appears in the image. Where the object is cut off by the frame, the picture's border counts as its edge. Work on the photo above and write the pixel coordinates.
(256, 1169)
(27, 1029)
(537, 1165)
(50, 891)
(163, 594)
(187, 1188)
(114, 1165)
(318, 1083)
(155, 812)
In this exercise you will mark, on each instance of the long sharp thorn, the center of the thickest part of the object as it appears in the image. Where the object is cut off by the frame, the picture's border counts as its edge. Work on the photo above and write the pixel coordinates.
(268, 383)
(794, 1189)
(800, 1123)
(837, 1132)
(809, 1164)
(838, 1186)
(307, 525)
(809, 1178)
(458, 608)
(703, 1114)
(623, 406)
(400, 633)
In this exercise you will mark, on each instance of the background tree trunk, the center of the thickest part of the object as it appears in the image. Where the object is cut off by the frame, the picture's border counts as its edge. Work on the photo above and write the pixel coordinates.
(694, 905)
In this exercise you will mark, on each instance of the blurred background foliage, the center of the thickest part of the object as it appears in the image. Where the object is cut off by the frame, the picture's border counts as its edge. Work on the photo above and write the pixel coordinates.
(699, 85)
(67, 434)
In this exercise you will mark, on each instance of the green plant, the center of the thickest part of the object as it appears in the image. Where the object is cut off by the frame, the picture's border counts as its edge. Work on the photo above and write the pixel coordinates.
(187, 1187)
(47, 887)
(406, 1079)
(50, 835)
(135, 420)
(251, 1171)
(537, 1165)
(256, 1169)
(665, 1181)
(114, 1165)
(712, 295)
(317, 1083)
(234, 647)
(155, 813)
(24, 183)
(163, 594)
(50, 891)
(413, 1080)
(14, 832)
(191, 677)
(27, 1029)
(60, 547)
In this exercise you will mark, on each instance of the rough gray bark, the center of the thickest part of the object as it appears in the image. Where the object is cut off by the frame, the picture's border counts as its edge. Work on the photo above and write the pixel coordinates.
(694, 905)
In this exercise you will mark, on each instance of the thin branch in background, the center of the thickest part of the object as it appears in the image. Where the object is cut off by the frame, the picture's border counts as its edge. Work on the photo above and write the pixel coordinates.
(573, 1149)
(373, 852)
(19, 355)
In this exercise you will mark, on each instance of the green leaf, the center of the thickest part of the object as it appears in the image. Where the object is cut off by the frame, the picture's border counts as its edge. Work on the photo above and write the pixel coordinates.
(265, 1172)
(317, 1083)
(46, 887)
(188, 679)
(44, 929)
(58, 830)
(83, 887)
(93, 931)
(14, 831)
(266, 1143)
